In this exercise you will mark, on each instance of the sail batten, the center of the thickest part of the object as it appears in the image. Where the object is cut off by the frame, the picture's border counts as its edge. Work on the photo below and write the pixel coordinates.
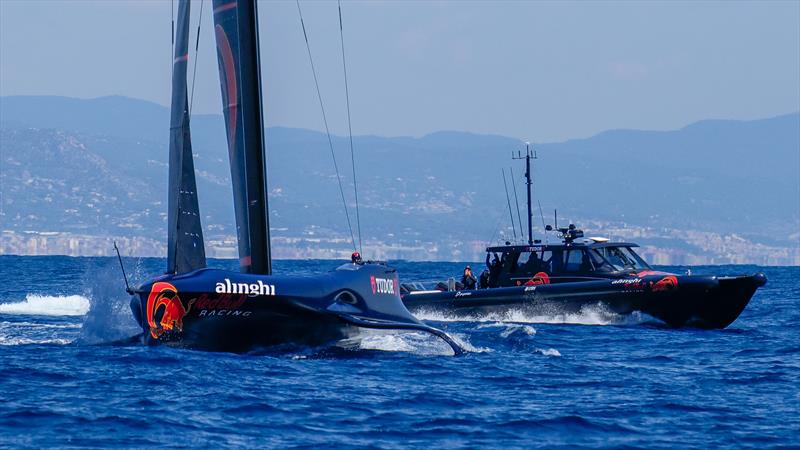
(236, 32)
(185, 249)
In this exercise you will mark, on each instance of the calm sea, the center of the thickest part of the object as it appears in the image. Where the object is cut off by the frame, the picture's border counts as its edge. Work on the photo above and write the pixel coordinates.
(586, 380)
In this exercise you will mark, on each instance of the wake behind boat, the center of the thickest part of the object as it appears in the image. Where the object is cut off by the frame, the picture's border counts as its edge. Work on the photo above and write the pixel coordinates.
(212, 309)
(580, 272)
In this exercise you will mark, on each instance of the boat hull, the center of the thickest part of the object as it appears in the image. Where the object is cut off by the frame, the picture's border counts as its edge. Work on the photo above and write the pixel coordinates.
(217, 310)
(678, 300)
(248, 327)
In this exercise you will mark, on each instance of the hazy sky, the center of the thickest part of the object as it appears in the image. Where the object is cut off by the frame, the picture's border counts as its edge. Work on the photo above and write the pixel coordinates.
(541, 71)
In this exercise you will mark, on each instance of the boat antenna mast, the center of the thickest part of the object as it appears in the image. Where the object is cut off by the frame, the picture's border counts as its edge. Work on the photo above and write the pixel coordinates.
(529, 155)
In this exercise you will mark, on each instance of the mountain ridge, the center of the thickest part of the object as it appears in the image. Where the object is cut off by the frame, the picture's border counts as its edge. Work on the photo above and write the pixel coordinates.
(439, 191)
(161, 109)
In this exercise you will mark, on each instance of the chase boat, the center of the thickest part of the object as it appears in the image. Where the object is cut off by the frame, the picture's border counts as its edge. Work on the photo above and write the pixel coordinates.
(580, 272)
(209, 309)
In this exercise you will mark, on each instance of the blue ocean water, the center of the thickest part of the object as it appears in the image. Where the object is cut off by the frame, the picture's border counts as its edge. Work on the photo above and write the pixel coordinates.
(586, 380)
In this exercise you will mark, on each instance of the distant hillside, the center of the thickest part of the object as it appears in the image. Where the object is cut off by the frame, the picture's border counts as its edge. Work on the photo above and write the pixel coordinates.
(734, 176)
(99, 167)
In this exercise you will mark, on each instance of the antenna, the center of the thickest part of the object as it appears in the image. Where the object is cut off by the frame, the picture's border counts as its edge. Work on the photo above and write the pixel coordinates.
(508, 199)
(127, 286)
(529, 182)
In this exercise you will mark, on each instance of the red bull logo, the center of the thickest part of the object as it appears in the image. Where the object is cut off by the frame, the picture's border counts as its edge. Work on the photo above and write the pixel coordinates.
(665, 284)
(539, 278)
(164, 298)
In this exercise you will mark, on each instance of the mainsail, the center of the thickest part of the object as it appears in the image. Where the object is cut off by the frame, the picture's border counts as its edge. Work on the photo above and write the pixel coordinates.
(185, 250)
(236, 30)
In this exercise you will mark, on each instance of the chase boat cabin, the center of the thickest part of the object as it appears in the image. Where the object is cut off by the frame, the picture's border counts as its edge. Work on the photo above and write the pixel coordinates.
(577, 258)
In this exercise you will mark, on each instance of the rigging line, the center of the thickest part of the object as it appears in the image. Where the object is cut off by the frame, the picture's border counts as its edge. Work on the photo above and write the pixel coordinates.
(350, 128)
(196, 56)
(510, 212)
(172, 75)
(544, 227)
(539, 202)
(496, 227)
(327, 130)
(519, 216)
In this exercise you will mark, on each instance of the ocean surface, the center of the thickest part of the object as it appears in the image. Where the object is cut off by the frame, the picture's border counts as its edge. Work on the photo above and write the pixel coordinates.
(586, 380)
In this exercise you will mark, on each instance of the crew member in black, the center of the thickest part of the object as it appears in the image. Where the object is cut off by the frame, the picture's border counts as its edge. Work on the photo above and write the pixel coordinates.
(483, 281)
(494, 270)
(494, 262)
(468, 280)
(355, 258)
(533, 264)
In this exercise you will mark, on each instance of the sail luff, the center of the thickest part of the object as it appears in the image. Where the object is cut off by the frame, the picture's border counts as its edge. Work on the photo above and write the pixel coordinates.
(236, 31)
(185, 249)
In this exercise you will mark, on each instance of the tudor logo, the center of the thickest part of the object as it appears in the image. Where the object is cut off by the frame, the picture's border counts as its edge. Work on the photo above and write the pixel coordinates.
(251, 289)
(382, 285)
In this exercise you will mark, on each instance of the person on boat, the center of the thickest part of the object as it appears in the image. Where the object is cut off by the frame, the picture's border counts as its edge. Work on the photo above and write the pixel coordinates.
(468, 280)
(495, 267)
(533, 264)
(495, 262)
(483, 280)
(355, 258)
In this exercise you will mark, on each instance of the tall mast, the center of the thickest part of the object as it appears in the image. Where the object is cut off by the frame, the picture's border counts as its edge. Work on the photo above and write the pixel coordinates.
(185, 251)
(529, 183)
(236, 29)
(530, 187)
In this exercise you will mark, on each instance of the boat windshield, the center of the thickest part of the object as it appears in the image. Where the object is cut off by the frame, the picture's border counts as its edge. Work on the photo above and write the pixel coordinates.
(622, 258)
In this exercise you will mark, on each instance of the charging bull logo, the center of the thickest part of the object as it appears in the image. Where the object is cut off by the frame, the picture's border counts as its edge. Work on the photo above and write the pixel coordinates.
(164, 298)
(665, 284)
(539, 278)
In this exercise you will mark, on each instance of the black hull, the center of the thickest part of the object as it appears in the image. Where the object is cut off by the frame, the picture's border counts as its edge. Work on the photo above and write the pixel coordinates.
(263, 329)
(697, 301)
(216, 310)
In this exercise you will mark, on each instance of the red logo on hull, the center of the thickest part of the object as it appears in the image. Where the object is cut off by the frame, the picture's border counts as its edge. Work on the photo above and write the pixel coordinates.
(539, 278)
(665, 284)
(164, 298)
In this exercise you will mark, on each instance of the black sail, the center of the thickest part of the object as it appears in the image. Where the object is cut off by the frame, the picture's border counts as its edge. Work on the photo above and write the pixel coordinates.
(236, 30)
(185, 251)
